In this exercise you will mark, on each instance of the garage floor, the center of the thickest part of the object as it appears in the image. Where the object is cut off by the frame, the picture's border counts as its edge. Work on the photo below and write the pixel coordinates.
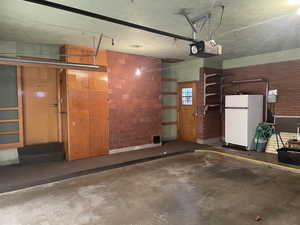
(188, 189)
(22, 176)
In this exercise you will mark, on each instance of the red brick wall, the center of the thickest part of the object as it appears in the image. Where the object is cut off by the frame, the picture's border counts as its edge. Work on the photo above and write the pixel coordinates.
(134, 101)
(283, 76)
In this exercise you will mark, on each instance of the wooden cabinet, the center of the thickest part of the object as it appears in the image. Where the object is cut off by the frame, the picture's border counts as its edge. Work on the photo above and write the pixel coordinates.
(85, 99)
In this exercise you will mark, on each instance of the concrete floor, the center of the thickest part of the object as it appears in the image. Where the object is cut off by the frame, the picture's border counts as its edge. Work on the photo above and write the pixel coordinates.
(22, 176)
(189, 189)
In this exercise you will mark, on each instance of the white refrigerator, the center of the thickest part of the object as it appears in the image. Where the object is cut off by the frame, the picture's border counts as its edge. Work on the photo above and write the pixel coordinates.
(242, 115)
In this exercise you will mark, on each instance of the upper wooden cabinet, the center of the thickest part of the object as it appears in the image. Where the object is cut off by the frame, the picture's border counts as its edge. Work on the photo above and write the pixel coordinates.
(86, 103)
(74, 51)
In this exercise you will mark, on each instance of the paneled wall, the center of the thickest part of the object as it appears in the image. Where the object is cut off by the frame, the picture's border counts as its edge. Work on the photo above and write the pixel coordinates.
(134, 100)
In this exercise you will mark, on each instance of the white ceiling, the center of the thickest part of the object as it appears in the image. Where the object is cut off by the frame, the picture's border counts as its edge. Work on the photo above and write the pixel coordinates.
(249, 27)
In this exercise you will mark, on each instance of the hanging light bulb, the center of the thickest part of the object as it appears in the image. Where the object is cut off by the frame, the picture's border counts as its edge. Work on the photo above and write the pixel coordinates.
(138, 72)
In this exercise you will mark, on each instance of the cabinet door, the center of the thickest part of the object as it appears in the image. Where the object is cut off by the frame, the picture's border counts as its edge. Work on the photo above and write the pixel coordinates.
(98, 112)
(87, 106)
(78, 113)
(236, 126)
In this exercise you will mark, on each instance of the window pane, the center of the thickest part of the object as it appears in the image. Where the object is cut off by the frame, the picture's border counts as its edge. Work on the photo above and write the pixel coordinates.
(187, 96)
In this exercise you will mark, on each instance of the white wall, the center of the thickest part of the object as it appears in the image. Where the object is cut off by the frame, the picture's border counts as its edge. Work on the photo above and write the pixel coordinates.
(272, 57)
(29, 49)
(9, 156)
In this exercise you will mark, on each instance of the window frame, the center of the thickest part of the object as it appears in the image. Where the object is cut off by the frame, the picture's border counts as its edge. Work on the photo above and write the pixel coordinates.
(182, 96)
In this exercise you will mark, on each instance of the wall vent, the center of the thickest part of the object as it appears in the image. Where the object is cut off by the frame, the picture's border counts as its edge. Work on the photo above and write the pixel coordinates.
(156, 139)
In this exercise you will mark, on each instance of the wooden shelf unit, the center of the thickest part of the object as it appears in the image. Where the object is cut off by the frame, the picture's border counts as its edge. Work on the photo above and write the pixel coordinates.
(19, 120)
(169, 107)
(206, 94)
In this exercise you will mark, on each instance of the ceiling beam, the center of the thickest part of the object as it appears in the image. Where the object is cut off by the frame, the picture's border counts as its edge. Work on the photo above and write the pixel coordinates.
(109, 19)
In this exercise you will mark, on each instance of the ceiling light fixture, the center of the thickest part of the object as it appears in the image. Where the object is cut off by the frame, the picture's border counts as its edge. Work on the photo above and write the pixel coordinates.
(294, 2)
(138, 72)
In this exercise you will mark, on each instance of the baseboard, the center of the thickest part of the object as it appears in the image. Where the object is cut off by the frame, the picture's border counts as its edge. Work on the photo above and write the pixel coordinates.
(209, 141)
(9, 157)
(169, 138)
(133, 148)
(9, 162)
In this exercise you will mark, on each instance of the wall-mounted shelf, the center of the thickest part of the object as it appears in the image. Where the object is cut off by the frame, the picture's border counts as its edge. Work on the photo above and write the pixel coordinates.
(173, 92)
(211, 94)
(208, 94)
(210, 75)
(8, 121)
(211, 84)
(9, 132)
(169, 93)
(210, 106)
(9, 109)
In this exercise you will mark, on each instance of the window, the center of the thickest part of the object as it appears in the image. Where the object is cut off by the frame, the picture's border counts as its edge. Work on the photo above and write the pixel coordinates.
(187, 96)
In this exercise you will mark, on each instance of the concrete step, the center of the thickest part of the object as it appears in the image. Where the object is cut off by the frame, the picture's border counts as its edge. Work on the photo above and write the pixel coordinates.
(41, 153)
(41, 148)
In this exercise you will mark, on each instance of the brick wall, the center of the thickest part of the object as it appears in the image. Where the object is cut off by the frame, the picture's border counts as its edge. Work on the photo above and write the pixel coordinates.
(284, 76)
(134, 101)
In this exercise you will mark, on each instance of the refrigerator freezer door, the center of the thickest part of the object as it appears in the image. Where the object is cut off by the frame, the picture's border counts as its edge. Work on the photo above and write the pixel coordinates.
(236, 126)
(236, 101)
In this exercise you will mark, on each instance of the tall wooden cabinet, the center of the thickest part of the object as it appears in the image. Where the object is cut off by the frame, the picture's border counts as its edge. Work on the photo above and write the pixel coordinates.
(84, 106)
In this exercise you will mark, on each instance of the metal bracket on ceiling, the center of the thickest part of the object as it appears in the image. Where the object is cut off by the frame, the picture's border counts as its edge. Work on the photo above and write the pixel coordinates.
(201, 20)
(193, 22)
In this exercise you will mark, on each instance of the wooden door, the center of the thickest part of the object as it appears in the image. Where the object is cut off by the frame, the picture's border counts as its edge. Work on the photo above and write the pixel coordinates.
(187, 111)
(40, 101)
